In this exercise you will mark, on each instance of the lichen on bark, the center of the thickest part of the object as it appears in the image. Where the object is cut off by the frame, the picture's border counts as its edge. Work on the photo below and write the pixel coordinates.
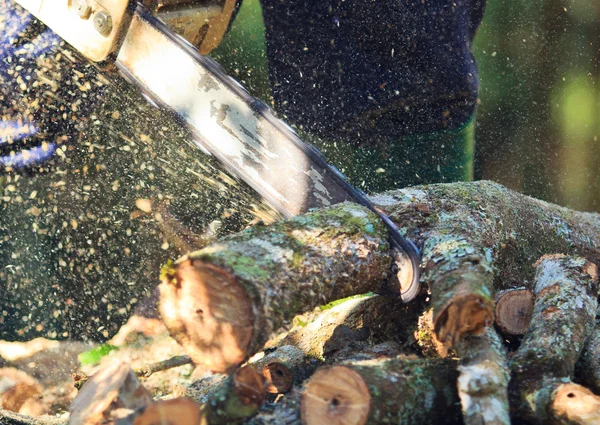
(479, 238)
(266, 275)
(566, 290)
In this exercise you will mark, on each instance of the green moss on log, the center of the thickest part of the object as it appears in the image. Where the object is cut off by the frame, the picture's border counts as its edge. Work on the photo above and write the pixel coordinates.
(283, 269)
(399, 390)
(566, 290)
(480, 237)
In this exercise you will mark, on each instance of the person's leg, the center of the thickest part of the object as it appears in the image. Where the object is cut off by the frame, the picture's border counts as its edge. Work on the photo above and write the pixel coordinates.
(388, 89)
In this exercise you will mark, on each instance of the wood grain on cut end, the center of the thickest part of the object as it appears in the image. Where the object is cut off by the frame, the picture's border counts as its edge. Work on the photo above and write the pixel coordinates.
(179, 411)
(466, 315)
(279, 377)
(335, 395)
(209, 313)
(513, 311)
(574, 404)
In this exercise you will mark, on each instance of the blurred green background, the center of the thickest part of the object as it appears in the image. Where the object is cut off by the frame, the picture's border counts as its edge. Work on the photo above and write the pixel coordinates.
(538, 125)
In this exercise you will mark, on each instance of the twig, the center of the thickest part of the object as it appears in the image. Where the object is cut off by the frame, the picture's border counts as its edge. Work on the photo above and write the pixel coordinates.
(146, 371)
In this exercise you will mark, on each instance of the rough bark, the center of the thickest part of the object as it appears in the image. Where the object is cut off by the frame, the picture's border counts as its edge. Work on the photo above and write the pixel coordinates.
(399, 390)
(229, 399)
(566, 290)
(513, 311)
(10, 418)
(282, 367)
(339, 325)
(222, 303)
(483, 380)
(201, 389)
(479, 238)
(239, 397)
(587, 369)
(286, 411)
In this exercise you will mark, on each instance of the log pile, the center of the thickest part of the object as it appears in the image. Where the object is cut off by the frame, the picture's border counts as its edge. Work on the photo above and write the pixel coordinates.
(506, 331)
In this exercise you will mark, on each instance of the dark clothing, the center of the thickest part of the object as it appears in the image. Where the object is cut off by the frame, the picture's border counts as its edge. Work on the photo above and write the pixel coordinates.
(364, 69)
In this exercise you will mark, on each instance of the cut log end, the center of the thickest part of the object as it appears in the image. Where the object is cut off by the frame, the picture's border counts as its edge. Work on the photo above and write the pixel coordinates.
(179, 411)
(335, 395)
(209, 313)
(513, 311)
(575, 404)
(279, 378)
(466, 315)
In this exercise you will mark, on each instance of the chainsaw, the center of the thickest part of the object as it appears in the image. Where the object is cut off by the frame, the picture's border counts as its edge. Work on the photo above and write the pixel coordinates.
(161, 47)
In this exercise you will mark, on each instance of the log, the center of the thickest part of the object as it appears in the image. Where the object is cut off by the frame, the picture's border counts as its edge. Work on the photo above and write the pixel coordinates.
(461, 283)
(587, 369)
(282, 367)
(287, 366)
(332, 328)
(239, 397)
(574, 404)
(110, 394)
(398, 390)
(11, 418)
(566, 290)
(178, 411)
(478, 236)
(286, 411)
(278, 370)
(201, 389)
(223, 302)
(483, 380)
(514, 308)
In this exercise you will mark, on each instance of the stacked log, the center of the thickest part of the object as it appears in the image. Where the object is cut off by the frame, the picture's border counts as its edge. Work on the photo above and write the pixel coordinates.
(369, 359)
(399, 390)
(222, 303)
(566, 291)
(514, 308)
(478, 239)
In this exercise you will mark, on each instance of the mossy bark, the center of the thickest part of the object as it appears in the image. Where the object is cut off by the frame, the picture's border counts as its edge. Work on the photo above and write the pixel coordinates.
(397, 390)
(238, 398)
(566, 290)
(587, 369)
(223, 303)
(336, 327)
(479, 238)
(286, 411)
(284, 366)
(483, 380)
